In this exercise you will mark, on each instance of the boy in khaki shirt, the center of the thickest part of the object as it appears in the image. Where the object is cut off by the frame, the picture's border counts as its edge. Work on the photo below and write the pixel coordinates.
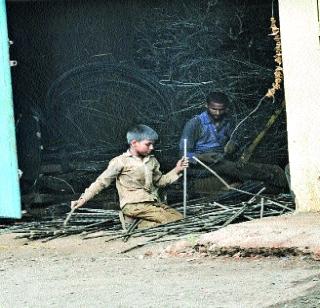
(138, 178)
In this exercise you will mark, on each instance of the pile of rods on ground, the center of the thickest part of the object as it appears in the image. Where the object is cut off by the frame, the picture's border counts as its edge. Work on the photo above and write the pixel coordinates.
(203, 215)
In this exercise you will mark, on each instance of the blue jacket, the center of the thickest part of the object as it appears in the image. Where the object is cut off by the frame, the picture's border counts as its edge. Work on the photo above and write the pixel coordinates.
(203, 135)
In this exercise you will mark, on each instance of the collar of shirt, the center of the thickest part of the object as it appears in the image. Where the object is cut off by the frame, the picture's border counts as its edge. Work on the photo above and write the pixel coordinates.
(144, 160)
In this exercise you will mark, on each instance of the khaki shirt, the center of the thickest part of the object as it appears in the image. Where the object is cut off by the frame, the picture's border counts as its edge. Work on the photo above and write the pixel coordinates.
(137, 179)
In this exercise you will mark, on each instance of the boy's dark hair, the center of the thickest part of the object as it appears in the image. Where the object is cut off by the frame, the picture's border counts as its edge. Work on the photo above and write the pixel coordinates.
(217, 97)
(141, 132)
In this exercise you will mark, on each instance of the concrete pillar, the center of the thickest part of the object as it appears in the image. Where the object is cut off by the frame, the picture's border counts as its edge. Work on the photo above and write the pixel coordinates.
(299, 25)
(9, 182)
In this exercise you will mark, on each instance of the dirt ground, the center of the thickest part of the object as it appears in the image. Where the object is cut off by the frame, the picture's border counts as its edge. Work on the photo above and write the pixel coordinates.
(292, 231)
(71, 272)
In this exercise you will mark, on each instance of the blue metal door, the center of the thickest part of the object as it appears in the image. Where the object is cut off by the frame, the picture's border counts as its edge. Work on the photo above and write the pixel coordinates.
(10, 205)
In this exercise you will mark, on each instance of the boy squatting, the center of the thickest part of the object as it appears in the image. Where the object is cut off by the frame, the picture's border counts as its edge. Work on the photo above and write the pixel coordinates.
(138, 177)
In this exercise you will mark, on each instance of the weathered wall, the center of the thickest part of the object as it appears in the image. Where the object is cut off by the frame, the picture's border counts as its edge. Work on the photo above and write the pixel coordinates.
(301, 62)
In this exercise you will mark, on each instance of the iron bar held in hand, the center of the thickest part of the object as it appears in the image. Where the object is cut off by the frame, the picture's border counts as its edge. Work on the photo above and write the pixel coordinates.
(184, 180)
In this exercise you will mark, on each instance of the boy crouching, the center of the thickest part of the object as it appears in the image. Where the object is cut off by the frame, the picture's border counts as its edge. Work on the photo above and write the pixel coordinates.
(138, 177)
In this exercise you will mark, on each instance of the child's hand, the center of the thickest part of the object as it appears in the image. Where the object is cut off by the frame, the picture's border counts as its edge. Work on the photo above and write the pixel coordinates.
(78, 203)
(182, 164)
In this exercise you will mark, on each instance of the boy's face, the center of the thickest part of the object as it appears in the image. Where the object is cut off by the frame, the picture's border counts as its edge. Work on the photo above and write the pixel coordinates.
(143, 147)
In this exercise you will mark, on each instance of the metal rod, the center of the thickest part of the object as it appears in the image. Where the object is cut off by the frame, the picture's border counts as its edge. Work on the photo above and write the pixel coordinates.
(225, 183)
(213, 172)
(185, 180)
(258, 193)
(68, 217)
(262, 208)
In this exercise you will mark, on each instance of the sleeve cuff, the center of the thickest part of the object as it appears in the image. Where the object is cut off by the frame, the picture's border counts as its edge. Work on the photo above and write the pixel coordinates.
(173, 175)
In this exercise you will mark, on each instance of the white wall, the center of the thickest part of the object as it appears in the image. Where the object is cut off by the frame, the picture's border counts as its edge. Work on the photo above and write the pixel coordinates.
(301, 62)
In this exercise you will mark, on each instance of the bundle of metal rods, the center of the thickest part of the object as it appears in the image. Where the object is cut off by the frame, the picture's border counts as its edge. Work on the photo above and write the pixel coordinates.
(211, 216)
(203, 215)
(84, 221)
